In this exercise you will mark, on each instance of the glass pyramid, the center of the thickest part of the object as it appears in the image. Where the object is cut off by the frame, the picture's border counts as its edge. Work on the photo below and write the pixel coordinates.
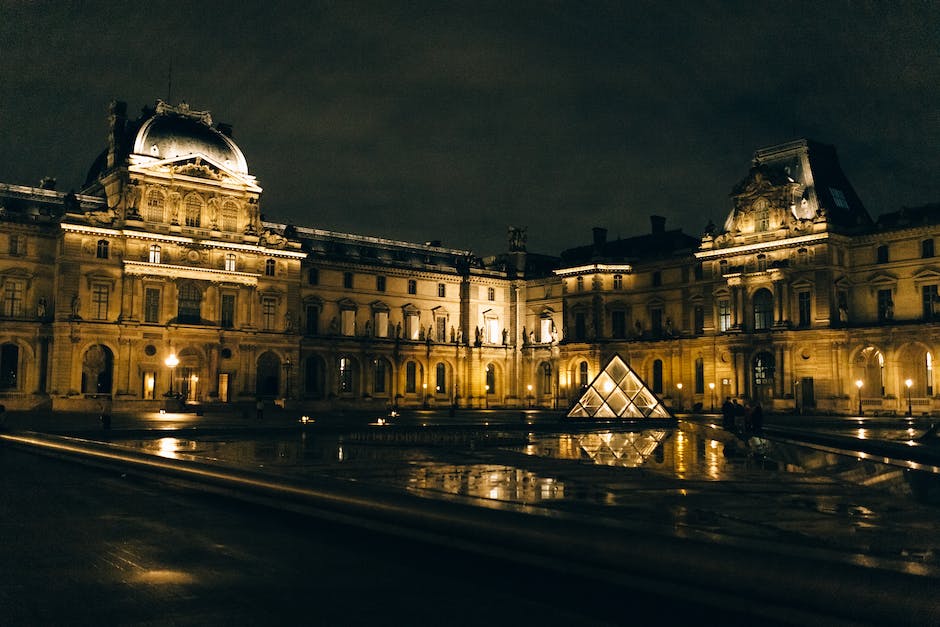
(617, 392)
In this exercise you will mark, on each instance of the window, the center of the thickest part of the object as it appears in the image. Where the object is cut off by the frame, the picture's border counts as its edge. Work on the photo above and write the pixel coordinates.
(99, 301)
(930, 300)
(618, 324)
(230, 262)
(761, 263)
(838, 198)
(803, 306)
(440, 383)
(227, 319)
(882, 254)
(580, 326)
(189, 304)
(345, 375)
(764, 369)
(698, 272)
(579, 284)
(9, 366)
(154, 253)
(312, 320)
(763, 309)
(411, 377)
(193, 211)
(762, 219)
(658, 376)
(546, 378)
(229, 217)
(723, 267)
(17, 245)
(441, 290)
(546, 329)
(490, 293)
(412, 286)
(269, 267)
(381, 324)
(412, 327)
(380, 283)
(152, 305)
(268, 312)
(926, 248)
(490, 379)
(583, 374)
(885, 306)
(618, 281)
(698, 319)
(155, 206)
(102, 250)
(657, 278)
(724, 315)
(440, 323)
(13, 292)
(699, 376)
(348, 322)
(656, 321)
(929, 374)
(313, 276)
(380, 376)
(149, 385)
(491, 326)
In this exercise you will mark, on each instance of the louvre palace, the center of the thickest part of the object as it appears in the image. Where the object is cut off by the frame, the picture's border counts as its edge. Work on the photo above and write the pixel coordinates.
(160, 280)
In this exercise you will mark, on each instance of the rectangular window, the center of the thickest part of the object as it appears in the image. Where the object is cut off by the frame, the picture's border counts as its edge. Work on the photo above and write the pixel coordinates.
(657, 278)
(313, 276)
(926, 248)
(268, 313)
(441, 328)
(412, 327)
(152, 305)
(618, 324)
(618, 281)
(882, 254)
(348, 280)
(493, 331)
(99, 301)
(17, 245)
(545, 330)
(380, 284)
(227, 319)
(411, 377)
(154, 254)
(724, 314)
(412, 286)
(656, 321)
(699, 376)
(698, 272)
(490, 293)
(698, 319)
(885, 306)
(13, 292)
(931, 301)
(580, 326)
(381, 324)
(230, 262)
(378, 383)
(348, 322)
(149, 385)
(804, 306)
(441, 290)
(312, 320)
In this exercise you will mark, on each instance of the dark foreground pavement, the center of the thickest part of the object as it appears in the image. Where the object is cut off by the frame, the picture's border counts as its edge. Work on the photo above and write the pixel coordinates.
(87, 546)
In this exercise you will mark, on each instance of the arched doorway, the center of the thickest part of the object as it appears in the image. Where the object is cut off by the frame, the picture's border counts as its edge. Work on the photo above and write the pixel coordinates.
(763, 309)
(313, 377)
(763, 376)
(348, 376)
(269, 375)
(97, 370)
(188, 382)
(9, 366)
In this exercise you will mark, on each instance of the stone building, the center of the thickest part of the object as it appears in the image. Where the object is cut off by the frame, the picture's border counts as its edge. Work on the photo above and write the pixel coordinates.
(160, 280)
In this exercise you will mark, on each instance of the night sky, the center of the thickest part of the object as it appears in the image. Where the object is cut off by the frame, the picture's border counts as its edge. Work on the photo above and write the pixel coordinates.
(423, 121)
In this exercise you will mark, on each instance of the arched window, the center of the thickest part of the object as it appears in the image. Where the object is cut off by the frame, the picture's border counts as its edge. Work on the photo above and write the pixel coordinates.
(928, 374)
(658, 376)
(193, 211)
(102, 250)
(763, 309)
(763, 374)
(380, 377)
(347, 375)
(545, 380)
(583, 374)
(154, 253)
(155, 205)
(440, 376)
(411, 377)
(699, 376)
(189, 304)
(490, 379)
(313, 377)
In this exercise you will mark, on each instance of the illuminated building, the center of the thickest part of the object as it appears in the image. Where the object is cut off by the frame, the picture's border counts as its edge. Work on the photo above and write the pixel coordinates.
(164, 251)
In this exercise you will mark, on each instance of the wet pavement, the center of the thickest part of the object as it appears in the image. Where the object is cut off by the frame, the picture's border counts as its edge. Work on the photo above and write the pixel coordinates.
(693, 480)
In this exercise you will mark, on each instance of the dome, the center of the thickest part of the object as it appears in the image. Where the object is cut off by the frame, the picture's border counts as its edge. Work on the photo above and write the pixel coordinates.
(177, 132)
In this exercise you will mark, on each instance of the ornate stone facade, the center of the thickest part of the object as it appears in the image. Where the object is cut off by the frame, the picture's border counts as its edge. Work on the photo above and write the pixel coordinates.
(164, 252)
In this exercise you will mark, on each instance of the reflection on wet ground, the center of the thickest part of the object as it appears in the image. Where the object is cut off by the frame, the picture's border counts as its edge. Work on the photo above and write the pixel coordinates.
(691, 480)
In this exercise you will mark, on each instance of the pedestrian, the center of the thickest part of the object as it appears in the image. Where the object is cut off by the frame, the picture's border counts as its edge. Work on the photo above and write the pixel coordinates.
(727, 413)
(259, 407)
(748, 415)
(757, 417)
(738, 411)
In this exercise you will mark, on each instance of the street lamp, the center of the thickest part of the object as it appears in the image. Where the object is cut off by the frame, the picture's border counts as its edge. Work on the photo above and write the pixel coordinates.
(679, 387)
(424, 401)
(858, 384)
(529, 387)
(711, 386)
(171, 362)
(909, 383)
(486, 397)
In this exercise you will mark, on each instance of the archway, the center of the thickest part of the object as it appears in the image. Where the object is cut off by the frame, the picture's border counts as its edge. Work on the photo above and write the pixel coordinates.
(97, 370)
(188, 382)
(9, 366)
(763, 369)
(763, 309)
(268, 380)
(313, 377)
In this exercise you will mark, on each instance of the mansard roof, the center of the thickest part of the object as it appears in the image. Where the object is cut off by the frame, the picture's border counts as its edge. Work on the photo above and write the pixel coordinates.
(910, 217)
(649, 247)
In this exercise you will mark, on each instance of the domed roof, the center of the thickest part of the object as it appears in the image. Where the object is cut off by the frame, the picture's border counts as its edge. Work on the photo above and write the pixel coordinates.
(178, 132)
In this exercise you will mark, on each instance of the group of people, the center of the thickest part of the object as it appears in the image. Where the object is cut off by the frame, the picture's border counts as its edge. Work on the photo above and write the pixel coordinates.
(751, 412)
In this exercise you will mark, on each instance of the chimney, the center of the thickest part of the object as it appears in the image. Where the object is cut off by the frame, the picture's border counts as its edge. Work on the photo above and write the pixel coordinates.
(600, 237)
(658, 223)
(225, 129)
(47, 182)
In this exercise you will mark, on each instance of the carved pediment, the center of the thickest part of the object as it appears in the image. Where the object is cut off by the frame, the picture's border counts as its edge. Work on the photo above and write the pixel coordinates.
(927, 275)
(882, 279)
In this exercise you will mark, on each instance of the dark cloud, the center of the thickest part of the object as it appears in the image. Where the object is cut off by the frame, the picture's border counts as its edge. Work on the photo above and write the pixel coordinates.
(450, 121)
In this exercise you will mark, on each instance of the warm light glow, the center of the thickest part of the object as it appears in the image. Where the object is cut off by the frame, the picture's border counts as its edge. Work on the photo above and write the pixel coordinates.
(608, 387)
(711, 386)
(172, 361)
(529, 387)
(859, 383)
(908, 383)
(679, 385)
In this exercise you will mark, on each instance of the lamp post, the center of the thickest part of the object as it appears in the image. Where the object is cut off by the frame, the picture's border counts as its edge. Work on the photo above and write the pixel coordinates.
(171, 362)
(486, 396)
(858, 384)
(287, 367)
(679, 387)
(529, 398)
(711, 386)
(424, 394)
(909, 383)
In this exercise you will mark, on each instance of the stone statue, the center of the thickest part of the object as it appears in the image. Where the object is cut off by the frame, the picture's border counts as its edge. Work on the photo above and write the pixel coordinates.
(41, 307)
(525, 337)
(398, 331)
(288, 322)
(517, 239)
(368, 328)
(76, 305)
(334, 326)
(505, 337)
(453, 335)
(460, 335)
